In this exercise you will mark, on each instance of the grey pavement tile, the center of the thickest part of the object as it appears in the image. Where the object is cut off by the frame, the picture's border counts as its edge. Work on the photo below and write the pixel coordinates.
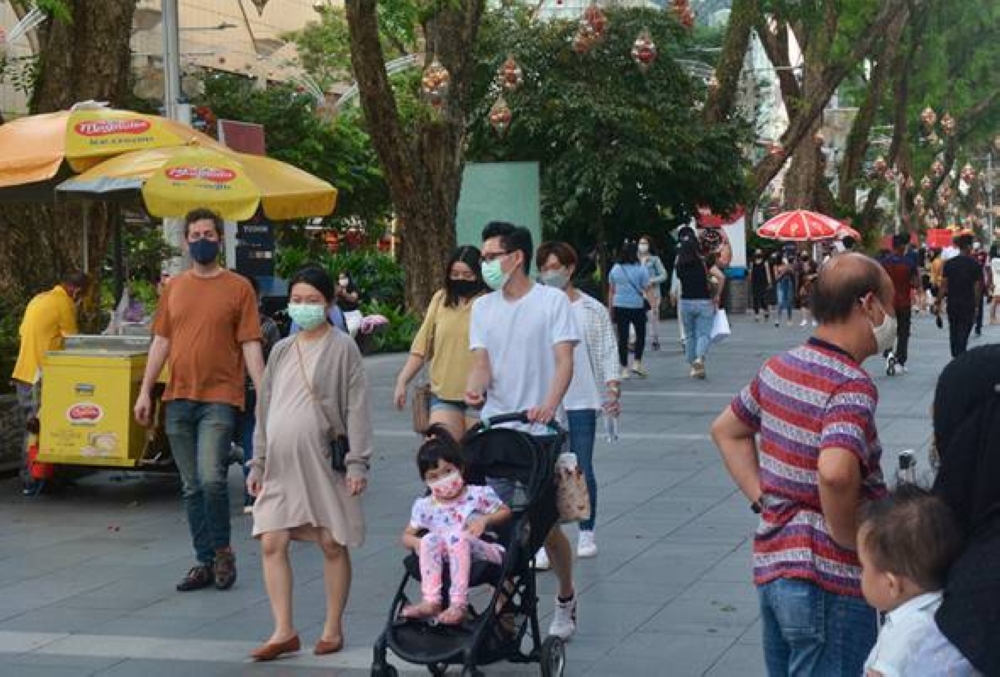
(740, 660)
(168, 668)
(658, 654)
(57, 618)
(84, 665)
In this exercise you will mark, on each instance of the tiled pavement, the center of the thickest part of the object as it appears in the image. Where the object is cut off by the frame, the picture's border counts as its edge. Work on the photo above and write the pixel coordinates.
(86, 577)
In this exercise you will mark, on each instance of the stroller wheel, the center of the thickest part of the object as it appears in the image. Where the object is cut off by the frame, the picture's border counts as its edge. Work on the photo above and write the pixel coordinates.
(386, 671)
(438, 669)
(553, 657)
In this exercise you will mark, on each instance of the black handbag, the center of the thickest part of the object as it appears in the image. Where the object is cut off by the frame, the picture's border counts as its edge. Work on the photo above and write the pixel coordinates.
(340, 445)
(646, 305)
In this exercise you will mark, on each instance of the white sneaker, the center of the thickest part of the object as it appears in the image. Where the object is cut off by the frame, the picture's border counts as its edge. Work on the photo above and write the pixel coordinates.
(542, 560)
(585, 545)
(626, 374)
(564, 620)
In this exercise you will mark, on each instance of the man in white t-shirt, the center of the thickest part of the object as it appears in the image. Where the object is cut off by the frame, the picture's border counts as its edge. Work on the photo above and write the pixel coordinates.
(522, 337)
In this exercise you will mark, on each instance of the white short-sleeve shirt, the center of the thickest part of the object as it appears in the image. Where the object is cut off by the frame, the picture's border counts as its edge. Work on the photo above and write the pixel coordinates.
(906, 628)
(519, 336)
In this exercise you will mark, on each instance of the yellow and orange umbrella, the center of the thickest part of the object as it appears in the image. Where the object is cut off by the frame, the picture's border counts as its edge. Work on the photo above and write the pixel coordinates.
(177, 179)
(40, 150)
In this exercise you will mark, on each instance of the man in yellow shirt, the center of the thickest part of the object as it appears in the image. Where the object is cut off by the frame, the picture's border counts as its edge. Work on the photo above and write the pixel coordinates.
(49, 317)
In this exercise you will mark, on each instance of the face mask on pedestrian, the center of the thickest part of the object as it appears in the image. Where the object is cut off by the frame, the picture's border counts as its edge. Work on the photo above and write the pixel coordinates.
(447, 487)
(885, 333)
(558, 278)
(204, 251)
(307, 315)
(493, 274)
(464, 288)
(643, 247)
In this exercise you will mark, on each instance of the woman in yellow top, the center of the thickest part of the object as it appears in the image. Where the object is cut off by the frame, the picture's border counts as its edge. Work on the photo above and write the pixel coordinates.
(443, 339)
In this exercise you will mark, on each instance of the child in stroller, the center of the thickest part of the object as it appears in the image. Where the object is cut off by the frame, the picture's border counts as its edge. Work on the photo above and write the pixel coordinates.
(447, 526)
(505, 626)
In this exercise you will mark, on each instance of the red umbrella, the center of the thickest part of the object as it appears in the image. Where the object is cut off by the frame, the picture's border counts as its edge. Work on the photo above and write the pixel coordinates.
(846, 231)
(800, 226)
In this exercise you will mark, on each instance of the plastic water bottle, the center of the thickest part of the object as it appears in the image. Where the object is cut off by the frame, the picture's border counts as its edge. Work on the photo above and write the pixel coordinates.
(610, 428)
(907, 473)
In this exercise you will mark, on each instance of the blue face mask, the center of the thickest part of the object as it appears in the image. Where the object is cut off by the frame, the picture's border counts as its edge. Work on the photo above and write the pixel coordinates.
(307, 315)
(204, 251)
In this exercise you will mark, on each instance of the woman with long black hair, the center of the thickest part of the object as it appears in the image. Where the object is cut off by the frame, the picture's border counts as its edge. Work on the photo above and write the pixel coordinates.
(443, 340)
(967, 440)
(700, 291)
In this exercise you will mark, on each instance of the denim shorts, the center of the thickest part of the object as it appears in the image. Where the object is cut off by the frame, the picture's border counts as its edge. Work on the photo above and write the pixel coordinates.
(457, 406)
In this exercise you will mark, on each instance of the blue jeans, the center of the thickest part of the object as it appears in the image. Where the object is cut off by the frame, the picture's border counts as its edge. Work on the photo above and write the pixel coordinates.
(814, 633)
(697, 316)
(582, 431)
(785, 300)
(200, 436)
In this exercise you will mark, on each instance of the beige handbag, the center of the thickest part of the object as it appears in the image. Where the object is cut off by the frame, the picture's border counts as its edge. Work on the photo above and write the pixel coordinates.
(572, 497)
(421, 405)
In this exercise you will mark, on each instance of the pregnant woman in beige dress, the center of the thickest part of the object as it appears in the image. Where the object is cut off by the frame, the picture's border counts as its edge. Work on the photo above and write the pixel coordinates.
(314, 389)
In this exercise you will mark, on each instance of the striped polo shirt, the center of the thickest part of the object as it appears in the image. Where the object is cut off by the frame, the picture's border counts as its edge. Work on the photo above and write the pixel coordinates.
(812, 398)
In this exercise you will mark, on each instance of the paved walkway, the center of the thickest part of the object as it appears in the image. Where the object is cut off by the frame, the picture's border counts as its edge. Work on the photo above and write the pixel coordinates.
(87, 578)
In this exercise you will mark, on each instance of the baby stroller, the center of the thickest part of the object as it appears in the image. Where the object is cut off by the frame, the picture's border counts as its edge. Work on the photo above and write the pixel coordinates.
(496, 631)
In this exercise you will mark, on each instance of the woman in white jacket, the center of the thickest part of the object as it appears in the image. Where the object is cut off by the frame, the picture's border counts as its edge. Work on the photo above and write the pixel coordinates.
(595, 384)
(657, 276)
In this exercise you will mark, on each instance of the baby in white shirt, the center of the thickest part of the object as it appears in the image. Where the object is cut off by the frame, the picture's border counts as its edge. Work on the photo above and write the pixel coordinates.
(906, 543)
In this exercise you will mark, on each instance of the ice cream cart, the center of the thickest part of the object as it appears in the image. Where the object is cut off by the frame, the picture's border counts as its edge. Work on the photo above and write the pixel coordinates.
(88, 392)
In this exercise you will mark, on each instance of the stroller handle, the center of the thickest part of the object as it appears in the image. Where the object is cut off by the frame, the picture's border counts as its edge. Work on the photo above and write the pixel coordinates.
(519, 417)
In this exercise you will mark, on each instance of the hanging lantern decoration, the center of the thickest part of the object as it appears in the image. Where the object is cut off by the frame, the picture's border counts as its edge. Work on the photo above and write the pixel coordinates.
(889, 175)
(947, 193)
(595, 17)
(909, 183)
(926, 183)
(684, 13)
(937, 168)
(928, 117)
(510, 75)
(879, 166)
(591, 29)
(948, 124)
(934, 139)
(500, 116)
(968, 174)
(819, 139)
(435, 82)
(644, 50)
(918, 202)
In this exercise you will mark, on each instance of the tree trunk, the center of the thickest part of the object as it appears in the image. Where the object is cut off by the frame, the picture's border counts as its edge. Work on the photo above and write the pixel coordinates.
(857, 139)
(423, 165)
(722, 98)
(833, 74)
(87, 58)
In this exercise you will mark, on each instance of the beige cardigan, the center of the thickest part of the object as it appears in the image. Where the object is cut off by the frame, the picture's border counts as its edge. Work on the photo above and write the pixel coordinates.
(343, 394)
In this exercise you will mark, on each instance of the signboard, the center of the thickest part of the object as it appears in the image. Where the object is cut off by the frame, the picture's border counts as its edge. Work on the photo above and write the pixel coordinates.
(245, 137)
(255, 247)
(498, 191)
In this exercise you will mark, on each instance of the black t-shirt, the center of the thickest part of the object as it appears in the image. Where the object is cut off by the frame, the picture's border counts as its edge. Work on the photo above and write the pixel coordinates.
(962, 273)
(694, 280)
(347, 305)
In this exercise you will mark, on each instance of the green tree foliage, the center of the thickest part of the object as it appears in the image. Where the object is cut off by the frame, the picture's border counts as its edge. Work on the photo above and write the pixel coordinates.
(338, 151)
(621, 151)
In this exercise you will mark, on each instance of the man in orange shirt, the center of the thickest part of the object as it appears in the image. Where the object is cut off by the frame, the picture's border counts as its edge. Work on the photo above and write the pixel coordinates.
(206, 329)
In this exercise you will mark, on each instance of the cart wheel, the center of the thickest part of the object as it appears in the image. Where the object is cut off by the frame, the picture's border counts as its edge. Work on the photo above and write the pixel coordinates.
(553, 657)
(438, 669)
(469, 671)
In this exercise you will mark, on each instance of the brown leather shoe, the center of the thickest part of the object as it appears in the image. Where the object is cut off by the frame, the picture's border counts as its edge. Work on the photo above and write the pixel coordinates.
(271, 650)
(325, 646)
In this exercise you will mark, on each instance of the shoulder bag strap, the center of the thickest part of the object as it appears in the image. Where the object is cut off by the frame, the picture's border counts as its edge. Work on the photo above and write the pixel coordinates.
(312, 393)
(633, 284)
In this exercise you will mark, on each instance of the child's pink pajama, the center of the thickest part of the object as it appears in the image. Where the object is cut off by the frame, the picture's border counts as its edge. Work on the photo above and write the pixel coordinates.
(447, 541)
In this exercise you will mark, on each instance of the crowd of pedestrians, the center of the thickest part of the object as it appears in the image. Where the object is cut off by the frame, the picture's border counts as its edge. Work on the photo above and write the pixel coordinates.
(833, 548)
